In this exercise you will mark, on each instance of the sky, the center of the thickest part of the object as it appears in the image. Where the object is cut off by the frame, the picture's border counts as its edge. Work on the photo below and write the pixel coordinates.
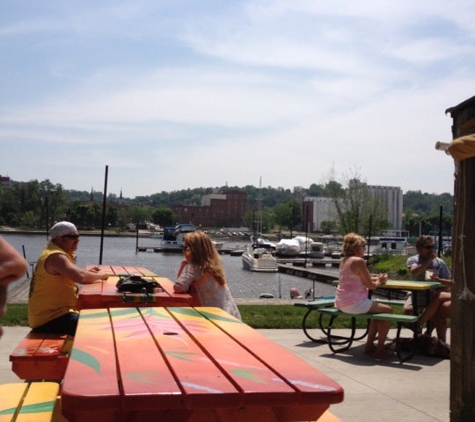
(171, 95)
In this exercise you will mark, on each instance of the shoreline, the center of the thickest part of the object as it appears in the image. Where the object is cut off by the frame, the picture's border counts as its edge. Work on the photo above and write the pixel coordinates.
(107, 233)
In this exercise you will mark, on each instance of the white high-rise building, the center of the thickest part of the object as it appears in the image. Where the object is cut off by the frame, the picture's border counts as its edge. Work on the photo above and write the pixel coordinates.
(323, 209)
(393, 198)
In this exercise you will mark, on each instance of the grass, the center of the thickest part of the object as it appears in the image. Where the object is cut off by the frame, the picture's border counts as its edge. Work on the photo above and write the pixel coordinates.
(257, 316)
(272, 316)
(395, 265)
(17, 314)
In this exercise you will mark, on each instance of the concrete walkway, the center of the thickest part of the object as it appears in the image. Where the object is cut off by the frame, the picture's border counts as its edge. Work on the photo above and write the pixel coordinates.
(375, 391)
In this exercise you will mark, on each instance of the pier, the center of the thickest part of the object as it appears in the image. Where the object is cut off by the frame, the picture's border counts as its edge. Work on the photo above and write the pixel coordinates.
(326, 276)
(299, 260)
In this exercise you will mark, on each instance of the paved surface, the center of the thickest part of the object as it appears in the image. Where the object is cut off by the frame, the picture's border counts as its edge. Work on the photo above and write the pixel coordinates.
(375, 391)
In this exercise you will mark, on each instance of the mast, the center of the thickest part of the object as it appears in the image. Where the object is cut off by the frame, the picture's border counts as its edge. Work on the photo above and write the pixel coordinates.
(259, 209)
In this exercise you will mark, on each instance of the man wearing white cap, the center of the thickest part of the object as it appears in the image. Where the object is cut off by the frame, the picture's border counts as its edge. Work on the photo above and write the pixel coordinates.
(52, 305)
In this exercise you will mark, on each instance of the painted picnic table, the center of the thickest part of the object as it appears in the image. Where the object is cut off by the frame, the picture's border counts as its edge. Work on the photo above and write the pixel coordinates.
(415, 287)
(105, 295)
(186, 364)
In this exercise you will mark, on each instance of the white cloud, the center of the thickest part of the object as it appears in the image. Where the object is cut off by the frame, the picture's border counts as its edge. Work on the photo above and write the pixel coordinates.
(233, 91)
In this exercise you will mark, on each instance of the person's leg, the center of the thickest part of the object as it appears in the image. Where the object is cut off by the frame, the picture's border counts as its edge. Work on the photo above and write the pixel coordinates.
(441, 317)
(429, 312)
(381, 328)
(372, 331)
(65, 324)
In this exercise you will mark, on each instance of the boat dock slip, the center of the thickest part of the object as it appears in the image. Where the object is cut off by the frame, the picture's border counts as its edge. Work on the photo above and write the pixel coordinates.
(314, 274)
(314, 262)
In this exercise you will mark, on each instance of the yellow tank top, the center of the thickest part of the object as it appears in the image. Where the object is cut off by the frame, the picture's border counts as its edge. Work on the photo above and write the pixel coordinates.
(51, 296)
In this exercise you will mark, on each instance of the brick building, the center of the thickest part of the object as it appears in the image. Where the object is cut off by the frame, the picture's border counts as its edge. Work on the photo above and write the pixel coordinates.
(216, 210)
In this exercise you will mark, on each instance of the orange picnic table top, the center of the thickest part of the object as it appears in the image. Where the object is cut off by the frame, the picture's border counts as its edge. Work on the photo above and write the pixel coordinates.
(186, 364)
(105, 295)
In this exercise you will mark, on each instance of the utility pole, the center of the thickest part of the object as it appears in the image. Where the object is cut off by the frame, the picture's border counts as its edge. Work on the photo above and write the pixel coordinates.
(462, 354)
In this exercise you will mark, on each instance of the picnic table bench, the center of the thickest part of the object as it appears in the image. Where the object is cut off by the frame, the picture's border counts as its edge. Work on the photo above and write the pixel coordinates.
(340, 343)
(324, 307)
(30, 402)
(41, 356)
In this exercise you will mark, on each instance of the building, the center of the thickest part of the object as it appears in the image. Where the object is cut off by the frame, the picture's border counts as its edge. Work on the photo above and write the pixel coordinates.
(216, 210)
(323, 209)
(393, 198)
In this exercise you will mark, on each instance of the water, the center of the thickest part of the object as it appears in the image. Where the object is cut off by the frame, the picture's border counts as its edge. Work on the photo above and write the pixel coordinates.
(121, 251)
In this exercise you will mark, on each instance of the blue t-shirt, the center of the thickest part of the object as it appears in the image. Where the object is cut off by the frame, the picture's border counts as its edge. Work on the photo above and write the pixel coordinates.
(437, 265)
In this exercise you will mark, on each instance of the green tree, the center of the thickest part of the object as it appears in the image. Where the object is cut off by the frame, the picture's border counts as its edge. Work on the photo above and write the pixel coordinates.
(282, 215)
(139, 215)
(288, 215)
(112, 216)
(164, 216)
(354, 204)
(315, 190)
(328, 227)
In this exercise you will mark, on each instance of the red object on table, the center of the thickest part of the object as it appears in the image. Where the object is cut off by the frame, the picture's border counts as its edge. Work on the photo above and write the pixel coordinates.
(186, 364)
(105, 295)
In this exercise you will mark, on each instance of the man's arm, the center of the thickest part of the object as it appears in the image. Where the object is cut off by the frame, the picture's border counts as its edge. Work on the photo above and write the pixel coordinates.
(59, 264)
(12, 265)
(418, 270)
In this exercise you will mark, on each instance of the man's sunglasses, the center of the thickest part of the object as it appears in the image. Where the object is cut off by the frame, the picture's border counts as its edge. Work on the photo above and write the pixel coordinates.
(71, 236)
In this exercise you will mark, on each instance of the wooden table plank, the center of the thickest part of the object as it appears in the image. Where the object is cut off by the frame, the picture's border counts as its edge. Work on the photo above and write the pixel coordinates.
(411, 285)
(90, 383)
(253, 377)
(291, 368)
(145, 272)
(176, 372)
(144, 371)
(9, 394)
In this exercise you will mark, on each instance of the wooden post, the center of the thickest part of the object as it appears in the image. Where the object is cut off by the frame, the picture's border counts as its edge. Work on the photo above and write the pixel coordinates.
(462, 355)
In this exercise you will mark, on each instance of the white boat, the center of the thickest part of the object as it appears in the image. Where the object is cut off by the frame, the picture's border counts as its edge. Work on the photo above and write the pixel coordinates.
(287, 247)
(173, 237)
(261, 242)
(218, 244)
(305, 243)
(316, 250)
(392, 242)
(259, 260)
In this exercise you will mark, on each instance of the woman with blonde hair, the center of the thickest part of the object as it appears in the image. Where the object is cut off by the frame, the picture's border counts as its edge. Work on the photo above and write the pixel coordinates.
(202, 269)
(352, 293)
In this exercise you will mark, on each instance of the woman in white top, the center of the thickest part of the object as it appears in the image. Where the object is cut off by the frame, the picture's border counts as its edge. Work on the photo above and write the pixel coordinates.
(202, 270)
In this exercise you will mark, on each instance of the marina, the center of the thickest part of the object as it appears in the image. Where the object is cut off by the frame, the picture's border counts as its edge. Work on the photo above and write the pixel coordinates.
(244, 285)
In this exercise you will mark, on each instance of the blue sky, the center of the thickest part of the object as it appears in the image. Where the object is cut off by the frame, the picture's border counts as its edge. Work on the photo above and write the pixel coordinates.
(177, 94)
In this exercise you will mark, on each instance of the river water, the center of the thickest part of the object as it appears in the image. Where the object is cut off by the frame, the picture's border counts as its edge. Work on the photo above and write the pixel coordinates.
(121, 251)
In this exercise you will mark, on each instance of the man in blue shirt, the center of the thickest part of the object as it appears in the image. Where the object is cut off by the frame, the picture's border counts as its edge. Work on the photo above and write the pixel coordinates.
(427, 266)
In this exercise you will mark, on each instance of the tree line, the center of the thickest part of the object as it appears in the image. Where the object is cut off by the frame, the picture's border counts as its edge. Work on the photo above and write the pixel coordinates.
(37, 204)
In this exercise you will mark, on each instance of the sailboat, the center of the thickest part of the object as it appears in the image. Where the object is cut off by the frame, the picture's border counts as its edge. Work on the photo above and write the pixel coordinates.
(258, 256)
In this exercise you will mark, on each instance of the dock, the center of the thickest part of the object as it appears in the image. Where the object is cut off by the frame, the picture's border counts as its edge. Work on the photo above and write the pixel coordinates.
(299, 261)
(157, 249)
(315, 274)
